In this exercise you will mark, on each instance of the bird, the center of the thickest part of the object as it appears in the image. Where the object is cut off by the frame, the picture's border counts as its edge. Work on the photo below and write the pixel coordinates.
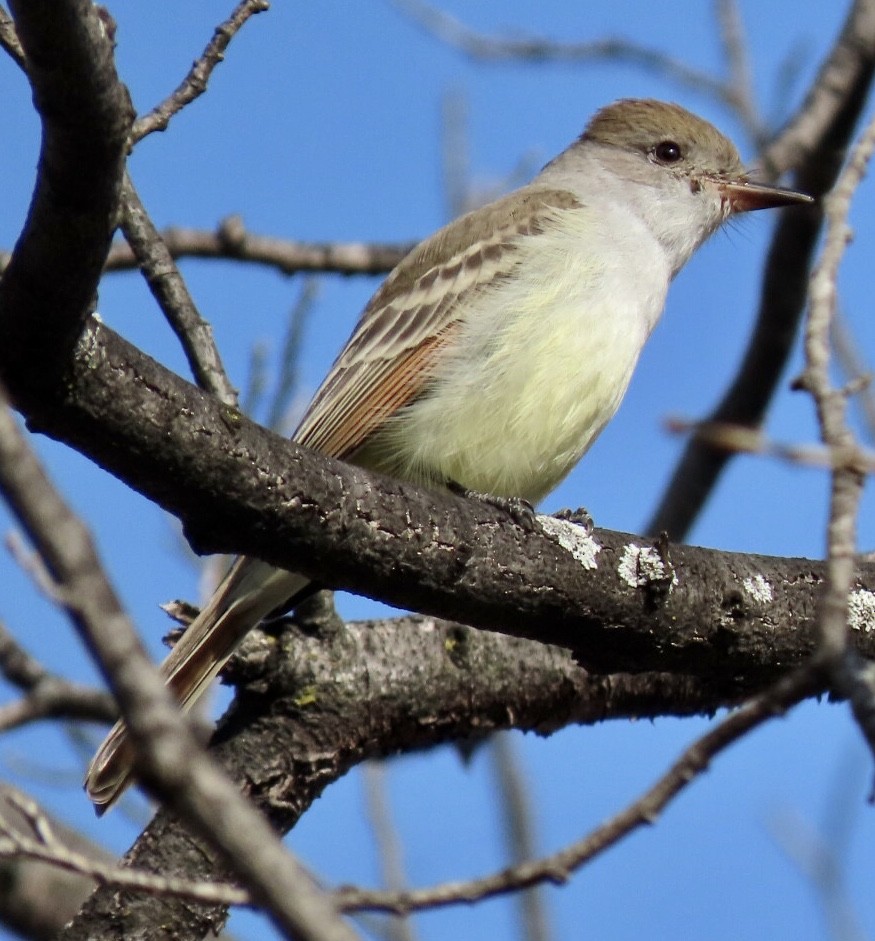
(497, 350)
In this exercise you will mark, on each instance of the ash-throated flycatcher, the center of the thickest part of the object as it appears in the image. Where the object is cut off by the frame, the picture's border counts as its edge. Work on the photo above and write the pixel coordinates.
(499, 348)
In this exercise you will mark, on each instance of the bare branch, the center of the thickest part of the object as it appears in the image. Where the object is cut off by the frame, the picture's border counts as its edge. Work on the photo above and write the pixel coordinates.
(77, 189)
(38, 899)
(856, 369)
(195, 83)
(558, 867)
(519, 823)
(832, 105)
(389, 849)
(740, 439)
(435, 552)
(821, 863)
(373, 689)
(44, 846)
(232, 241)
(85, 113)
(152, 255)
(46, 696)
(455, 158)
(169, 758)
(170, 291)
(290, 356)
(735, 50)
(813, 145)
(538, 49)
(849, 675)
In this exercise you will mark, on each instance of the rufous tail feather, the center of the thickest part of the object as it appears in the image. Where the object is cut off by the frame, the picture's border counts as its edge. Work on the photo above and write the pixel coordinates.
(249, 592)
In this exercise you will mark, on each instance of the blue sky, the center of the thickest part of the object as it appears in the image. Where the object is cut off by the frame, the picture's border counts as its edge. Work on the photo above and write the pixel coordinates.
(324, 123)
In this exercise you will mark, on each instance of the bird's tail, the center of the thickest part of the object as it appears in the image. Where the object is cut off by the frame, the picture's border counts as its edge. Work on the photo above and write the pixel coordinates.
(249, 592)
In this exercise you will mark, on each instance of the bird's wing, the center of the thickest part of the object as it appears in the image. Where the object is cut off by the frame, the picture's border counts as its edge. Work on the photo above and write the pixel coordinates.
(413, 315)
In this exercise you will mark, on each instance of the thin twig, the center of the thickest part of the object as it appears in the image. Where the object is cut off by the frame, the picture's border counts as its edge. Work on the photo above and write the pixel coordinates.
(740, 439)
(519, 826)
(390, 851)
(45, 846)
(47, 696)
(822, 864)
(851, 677)
(39, 899)
(172, 295)
(830, 402)
(290, 355)
(455, 157)
(152, 255)
(195, 83)
(558, 867)
(856, 370)
(531, 48)
(735, 49)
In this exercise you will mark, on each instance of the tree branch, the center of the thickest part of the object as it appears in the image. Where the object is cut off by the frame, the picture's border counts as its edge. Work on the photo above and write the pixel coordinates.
(195, 83)
(558, 867)
(168, 757)
(72, 213)
(173, 297)
(37, 898)
(813, 146)
(232, 241)
(46, 696)
(86, 116)
(321, 697)
(237, 487)
(850, 676)
(539, 49)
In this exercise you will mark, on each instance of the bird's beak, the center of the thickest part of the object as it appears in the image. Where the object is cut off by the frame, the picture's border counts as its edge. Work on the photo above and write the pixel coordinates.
(744, 196)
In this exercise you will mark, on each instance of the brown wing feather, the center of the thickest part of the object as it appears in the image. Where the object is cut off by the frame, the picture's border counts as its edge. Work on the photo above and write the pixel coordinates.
(401, 380)
(385, 364)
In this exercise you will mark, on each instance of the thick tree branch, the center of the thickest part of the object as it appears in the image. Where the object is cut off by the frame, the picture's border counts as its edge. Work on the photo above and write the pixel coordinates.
(237, 487)
(322, 697)
(72, 214)
(86, 118)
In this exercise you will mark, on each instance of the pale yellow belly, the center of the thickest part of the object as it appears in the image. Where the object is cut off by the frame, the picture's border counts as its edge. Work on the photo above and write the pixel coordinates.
(538, 371)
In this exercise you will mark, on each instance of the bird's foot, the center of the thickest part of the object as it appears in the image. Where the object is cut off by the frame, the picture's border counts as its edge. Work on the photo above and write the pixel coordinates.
(520, 511)
(580, 517)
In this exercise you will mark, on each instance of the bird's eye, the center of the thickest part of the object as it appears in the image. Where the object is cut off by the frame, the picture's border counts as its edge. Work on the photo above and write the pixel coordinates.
(667, 151)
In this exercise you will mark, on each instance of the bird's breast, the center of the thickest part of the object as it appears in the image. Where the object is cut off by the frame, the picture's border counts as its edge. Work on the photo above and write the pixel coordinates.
(538, 366)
